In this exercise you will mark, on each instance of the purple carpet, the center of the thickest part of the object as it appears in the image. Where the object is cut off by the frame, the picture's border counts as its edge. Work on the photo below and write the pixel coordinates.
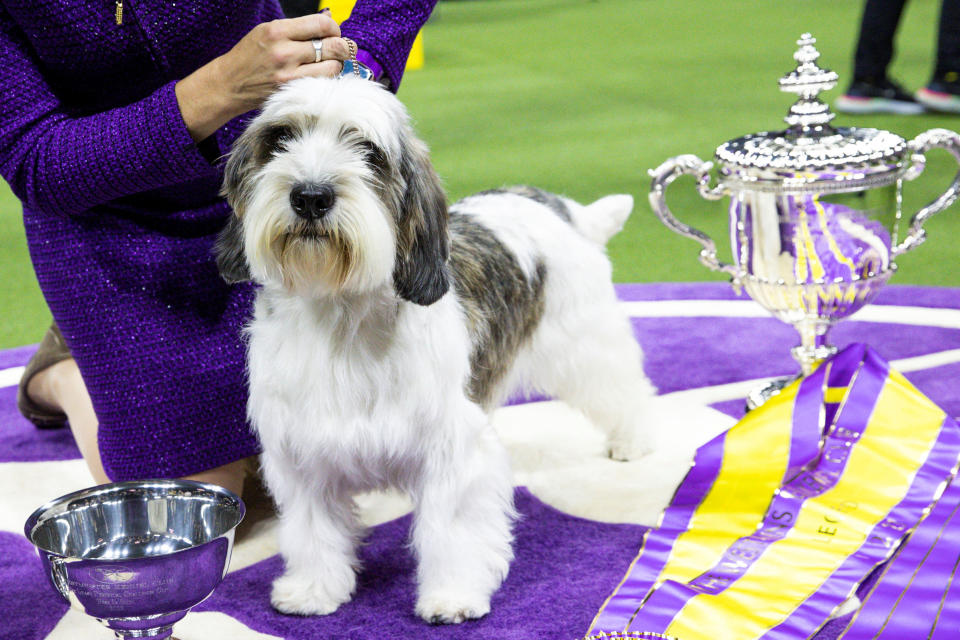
(565, 566)
(562, 563)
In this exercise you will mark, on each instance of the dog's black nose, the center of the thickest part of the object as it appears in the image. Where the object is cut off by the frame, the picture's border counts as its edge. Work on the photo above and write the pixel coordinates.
(312, 201)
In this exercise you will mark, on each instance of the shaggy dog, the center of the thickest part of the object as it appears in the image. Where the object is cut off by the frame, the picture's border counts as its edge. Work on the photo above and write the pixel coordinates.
(387, 327)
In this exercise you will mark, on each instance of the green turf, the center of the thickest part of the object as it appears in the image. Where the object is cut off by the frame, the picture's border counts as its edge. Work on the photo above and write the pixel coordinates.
(584, 97)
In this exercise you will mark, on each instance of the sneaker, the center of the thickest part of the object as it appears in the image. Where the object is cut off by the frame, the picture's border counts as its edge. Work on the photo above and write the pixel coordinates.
(942, 94)
(885, 97)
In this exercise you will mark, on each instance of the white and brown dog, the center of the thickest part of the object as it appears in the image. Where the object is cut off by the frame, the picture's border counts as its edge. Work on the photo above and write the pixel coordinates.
(387, 328)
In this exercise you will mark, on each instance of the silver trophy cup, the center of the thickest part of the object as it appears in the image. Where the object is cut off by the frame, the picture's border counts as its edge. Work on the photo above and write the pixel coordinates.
(137, 555)
(815, 219)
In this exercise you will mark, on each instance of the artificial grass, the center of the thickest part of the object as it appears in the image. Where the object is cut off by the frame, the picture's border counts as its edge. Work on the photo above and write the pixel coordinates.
(583, 97)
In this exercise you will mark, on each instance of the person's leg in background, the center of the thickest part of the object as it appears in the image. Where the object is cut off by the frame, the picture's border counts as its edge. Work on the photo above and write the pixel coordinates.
(875, 45)
(943, 91)
(872, 90)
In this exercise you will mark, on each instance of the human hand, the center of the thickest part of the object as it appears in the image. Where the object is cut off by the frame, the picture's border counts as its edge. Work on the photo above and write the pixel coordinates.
(271, 54)
(276, 52)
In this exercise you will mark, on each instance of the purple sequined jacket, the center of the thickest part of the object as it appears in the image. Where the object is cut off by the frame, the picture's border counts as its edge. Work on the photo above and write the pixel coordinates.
(121, 209)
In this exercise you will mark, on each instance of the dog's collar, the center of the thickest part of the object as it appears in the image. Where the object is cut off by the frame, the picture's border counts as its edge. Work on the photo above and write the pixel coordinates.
(355, 68)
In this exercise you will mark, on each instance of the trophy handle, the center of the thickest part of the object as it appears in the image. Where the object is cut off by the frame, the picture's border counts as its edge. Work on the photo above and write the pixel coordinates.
(662, 177)
(932, 139)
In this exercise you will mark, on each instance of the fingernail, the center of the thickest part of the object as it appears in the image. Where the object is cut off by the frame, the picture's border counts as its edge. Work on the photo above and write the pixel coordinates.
(325, 10)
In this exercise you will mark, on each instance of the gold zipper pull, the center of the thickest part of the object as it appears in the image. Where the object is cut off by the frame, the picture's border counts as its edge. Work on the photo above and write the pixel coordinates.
(119, 12)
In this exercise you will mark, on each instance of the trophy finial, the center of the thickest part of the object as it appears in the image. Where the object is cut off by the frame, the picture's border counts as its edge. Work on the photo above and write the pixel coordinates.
(807, 81)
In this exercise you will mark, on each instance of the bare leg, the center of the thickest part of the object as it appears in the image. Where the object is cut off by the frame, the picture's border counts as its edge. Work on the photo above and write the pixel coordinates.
(61, 387)
(229, 476)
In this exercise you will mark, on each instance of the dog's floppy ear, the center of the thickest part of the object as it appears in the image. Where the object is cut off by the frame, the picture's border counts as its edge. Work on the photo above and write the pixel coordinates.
(231, 260)
(236, 188)
(423, 245)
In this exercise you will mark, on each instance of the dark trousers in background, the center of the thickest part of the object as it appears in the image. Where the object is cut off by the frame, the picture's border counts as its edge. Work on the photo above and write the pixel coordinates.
(297, 8)
(875, 44)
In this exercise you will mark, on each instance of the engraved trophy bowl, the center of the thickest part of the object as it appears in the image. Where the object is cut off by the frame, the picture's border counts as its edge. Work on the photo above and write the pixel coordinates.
(137, 555)
(815, 211)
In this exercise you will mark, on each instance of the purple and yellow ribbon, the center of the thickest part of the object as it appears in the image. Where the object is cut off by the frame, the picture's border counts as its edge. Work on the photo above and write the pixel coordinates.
(918, 593)
(783, 516)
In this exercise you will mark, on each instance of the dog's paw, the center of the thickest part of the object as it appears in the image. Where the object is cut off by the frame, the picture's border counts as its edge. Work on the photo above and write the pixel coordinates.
(626, 451)
(452, 608)
(299, 596)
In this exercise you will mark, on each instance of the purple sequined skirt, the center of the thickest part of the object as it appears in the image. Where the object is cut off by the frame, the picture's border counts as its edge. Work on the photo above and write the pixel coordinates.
(156, 334)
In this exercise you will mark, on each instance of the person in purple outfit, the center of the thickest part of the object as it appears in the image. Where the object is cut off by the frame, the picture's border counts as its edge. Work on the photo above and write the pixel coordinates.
(114, 115)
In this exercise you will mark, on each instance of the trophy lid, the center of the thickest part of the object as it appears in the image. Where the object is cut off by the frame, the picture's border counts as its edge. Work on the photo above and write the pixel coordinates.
(811, 154)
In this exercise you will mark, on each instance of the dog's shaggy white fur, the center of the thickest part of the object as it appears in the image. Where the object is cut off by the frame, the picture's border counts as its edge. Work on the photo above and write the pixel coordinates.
(387, 328)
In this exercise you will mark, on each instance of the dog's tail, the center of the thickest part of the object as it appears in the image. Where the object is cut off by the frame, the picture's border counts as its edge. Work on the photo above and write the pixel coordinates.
(604, 218)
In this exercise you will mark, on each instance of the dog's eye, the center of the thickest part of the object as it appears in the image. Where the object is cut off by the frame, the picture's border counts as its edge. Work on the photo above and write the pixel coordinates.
(373, 155)
(275, 137)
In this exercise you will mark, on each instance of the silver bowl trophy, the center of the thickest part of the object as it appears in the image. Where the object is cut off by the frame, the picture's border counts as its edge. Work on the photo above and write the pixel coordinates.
(815, 217)
(137, 555)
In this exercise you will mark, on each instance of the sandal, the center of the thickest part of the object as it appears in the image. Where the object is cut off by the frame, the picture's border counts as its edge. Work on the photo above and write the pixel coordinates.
(52, 350)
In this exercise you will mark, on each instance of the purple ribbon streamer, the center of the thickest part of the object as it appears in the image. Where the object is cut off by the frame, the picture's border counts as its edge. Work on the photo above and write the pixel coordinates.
(882, 540)
(658, 542)
(809, 474)
(865, 372)
(911, 597)
(947, 624)
(618, 612)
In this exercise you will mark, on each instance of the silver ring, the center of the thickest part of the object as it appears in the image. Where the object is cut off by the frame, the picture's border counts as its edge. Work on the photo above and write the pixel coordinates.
(317, 49)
